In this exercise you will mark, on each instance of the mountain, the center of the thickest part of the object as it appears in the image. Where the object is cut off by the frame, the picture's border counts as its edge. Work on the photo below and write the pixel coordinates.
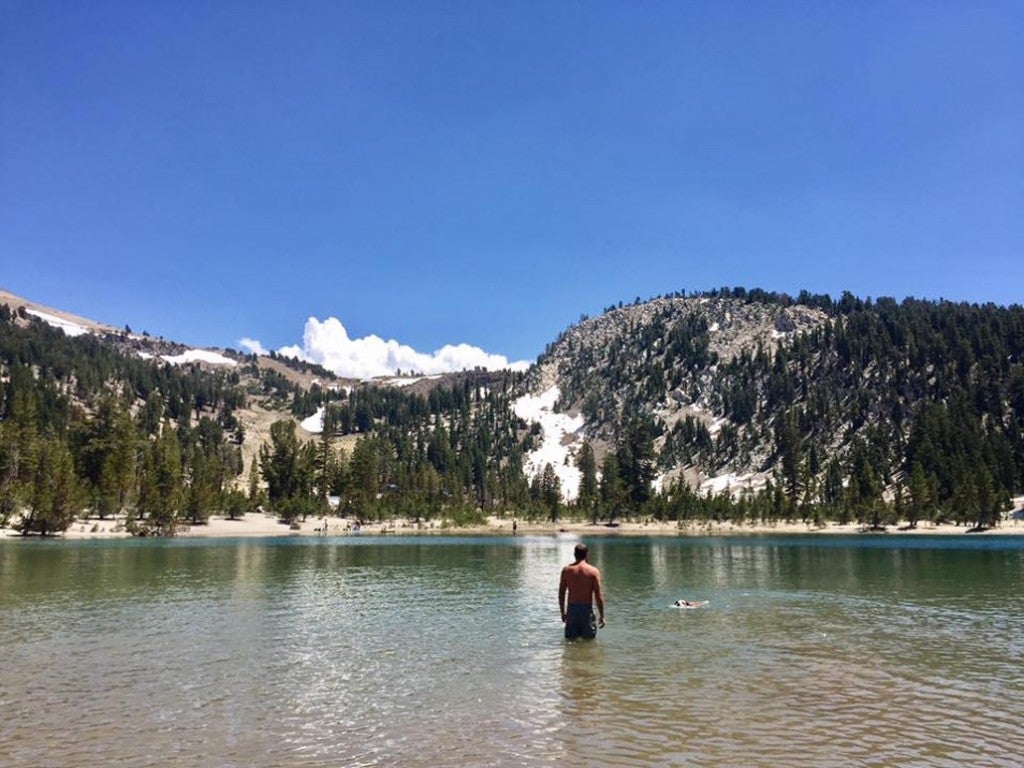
(269, 384)
(848, 406)
(99, 421)
(659, 362)
(733, 404)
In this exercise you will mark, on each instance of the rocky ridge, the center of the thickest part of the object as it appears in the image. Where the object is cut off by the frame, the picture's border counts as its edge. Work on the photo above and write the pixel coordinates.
(659, 360)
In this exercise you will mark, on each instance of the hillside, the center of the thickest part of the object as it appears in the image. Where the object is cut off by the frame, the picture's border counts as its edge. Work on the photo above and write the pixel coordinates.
(730, 404)
(271, 386)
(849, 406)
(98, 421)
(658, 361)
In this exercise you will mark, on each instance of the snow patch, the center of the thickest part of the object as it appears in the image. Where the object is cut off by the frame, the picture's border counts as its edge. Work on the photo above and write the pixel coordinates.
(732, 482)
(716, 425)
(314, 424)
(559, 432)
(69, 328)
(713, 328)
(405, 381)
(663, 481)
(199, 356)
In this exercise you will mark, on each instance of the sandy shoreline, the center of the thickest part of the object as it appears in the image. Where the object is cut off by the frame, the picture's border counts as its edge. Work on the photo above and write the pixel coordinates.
(255, 524)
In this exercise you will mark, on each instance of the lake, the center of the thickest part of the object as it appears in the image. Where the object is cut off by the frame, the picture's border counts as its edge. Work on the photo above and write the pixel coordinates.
(428, 651)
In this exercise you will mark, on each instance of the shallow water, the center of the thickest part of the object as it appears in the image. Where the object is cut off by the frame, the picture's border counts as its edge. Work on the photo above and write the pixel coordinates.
(447, 651)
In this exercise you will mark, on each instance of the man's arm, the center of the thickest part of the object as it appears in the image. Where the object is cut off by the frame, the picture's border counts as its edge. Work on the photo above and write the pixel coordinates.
(562, 587)
(599, 599)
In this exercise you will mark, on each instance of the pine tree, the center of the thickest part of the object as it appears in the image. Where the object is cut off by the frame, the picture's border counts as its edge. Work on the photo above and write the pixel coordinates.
(918, 495)
(589, 489)
(364, 475)
(54, 495)
(551, 491)
(279, 463)
(167, 480)
(256, 495)
(790, 448)
(635, 455)
(201, 493)
(988, 509)
(10, 488)
(612, 491)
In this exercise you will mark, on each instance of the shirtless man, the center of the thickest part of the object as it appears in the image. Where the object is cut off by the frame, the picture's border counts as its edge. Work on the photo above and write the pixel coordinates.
(582, 583)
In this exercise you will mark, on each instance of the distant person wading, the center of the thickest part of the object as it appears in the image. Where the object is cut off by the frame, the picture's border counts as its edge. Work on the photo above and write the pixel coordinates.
(581, 583)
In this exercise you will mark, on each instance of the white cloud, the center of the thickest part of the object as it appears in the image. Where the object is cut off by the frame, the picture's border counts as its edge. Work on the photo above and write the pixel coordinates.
(328, 344)
(252, 346)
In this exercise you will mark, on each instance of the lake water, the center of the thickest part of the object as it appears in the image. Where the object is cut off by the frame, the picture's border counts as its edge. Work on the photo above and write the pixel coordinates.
(813, 651)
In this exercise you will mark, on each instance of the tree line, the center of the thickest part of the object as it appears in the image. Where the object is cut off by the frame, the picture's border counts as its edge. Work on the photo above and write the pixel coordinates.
(86, 428)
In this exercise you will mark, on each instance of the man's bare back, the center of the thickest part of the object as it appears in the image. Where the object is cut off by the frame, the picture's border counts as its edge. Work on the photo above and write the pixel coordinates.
(580, 582)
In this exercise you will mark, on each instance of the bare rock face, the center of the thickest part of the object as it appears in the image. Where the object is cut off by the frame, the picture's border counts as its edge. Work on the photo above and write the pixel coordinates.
(793, 319)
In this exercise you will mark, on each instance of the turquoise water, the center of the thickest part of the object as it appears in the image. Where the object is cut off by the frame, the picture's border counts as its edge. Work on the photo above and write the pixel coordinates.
(813, 651)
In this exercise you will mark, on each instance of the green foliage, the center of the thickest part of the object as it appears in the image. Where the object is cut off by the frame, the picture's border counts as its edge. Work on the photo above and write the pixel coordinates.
(636, 461)
(69, 444)
(462, 516)
(588, 496)
(161, 486)
(289, 470)
(52, 499)
(613, 491)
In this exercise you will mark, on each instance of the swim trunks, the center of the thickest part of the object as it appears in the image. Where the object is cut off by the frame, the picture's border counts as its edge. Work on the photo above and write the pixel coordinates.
(580, 622)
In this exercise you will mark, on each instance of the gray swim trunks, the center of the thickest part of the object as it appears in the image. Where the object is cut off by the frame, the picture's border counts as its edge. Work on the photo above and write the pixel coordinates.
(580, 622)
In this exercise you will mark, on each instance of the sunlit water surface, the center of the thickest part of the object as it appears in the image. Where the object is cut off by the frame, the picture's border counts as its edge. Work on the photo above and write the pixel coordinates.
(447, 651)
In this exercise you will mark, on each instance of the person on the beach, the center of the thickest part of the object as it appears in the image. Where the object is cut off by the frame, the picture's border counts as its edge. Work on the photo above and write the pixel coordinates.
(581, 582)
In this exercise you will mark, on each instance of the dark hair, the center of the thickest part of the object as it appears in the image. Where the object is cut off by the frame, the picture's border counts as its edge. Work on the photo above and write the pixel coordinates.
(580, 552)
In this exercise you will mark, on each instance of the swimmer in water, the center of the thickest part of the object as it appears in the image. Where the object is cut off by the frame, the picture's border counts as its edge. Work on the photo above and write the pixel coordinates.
(691, 603)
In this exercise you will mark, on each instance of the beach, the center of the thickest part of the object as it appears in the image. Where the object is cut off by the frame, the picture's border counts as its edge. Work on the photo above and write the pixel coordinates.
(258, 524)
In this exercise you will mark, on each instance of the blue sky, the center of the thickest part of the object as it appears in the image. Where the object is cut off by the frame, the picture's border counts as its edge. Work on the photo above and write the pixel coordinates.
(485, 173)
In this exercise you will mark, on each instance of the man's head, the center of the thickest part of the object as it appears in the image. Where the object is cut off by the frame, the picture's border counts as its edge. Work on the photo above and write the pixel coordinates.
(580, 552)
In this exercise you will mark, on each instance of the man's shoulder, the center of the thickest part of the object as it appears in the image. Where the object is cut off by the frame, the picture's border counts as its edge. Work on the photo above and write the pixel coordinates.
(584, 569)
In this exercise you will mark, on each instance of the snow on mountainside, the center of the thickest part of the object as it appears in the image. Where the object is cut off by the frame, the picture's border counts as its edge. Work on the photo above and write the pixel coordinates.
(559, 438)
(314, 424)
(145, 347)
(658, 359)
(199, 356)
(69, 327)
(71, 324)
